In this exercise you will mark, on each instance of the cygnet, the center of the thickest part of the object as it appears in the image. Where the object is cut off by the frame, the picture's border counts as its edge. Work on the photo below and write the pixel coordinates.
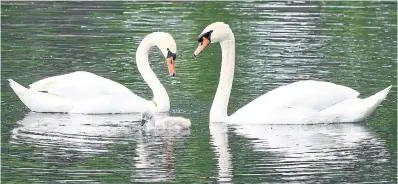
(148, 119)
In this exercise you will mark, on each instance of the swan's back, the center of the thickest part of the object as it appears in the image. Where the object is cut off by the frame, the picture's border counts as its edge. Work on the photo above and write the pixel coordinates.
(80, 85)
(301, 100)
(314, 95)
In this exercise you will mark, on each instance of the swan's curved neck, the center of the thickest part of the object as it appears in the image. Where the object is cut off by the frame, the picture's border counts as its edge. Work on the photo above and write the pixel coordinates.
(160, 96)
(218, 112)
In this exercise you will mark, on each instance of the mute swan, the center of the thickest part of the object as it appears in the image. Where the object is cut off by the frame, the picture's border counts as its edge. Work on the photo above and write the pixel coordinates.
(148, 119)
(84, 92)
(302, 102)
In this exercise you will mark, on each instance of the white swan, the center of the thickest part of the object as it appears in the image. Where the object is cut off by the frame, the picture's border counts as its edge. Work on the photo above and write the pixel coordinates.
(303, 102)
(148, 119)
(84, 92)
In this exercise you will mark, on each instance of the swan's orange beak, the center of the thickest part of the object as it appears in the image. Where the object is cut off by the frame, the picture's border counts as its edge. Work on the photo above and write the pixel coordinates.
(202, 46)
(171, 66)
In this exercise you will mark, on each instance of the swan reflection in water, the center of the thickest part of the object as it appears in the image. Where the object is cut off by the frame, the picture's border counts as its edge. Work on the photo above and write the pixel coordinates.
(288, 152)
(76, 136)
(154, 161)
(298, 152)
(85, 133)
(219, 139)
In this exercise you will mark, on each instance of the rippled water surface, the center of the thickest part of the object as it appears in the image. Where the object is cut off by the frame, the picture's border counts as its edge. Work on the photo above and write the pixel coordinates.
(348, 43)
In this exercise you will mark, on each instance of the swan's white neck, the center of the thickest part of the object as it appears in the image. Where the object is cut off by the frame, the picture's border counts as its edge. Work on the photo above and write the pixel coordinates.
(218, 112)
(160, 96)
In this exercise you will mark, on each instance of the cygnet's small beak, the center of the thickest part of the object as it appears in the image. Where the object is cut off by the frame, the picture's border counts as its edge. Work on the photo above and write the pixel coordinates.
(143, 121)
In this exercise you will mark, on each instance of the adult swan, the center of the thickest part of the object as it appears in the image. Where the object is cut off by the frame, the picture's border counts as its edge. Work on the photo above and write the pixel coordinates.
(303, 102)
(84, 92)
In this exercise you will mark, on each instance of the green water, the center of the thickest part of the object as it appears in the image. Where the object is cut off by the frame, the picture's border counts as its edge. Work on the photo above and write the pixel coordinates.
(348, 43)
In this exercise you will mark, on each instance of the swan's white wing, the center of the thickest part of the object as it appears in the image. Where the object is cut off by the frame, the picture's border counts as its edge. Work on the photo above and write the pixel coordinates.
(306, 96)
(80, 86)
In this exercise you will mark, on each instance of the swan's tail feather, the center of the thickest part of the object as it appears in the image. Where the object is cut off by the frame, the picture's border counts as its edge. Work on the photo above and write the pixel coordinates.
(38, 101)
(355, 109)
(23, 94)
(18, 89)
(377, 98)
(373, 101)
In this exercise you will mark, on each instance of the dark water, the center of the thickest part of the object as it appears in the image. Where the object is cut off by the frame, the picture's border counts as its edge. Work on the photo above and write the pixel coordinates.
(348, 43)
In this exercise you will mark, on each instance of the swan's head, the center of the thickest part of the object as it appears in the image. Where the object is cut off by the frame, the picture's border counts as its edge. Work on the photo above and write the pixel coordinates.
(167, 45)
(145, 117)
(213, 33)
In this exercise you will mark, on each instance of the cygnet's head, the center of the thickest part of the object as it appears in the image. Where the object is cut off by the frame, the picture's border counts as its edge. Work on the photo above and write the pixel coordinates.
(213, 33)
(167, 45)
(145, 117)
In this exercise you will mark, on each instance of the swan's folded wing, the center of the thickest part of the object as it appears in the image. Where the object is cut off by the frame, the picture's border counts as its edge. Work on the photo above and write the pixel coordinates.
(79, 86)
(313, 95)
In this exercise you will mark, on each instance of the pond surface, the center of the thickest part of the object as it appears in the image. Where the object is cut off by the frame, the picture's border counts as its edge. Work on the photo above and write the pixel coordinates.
(277, 43)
